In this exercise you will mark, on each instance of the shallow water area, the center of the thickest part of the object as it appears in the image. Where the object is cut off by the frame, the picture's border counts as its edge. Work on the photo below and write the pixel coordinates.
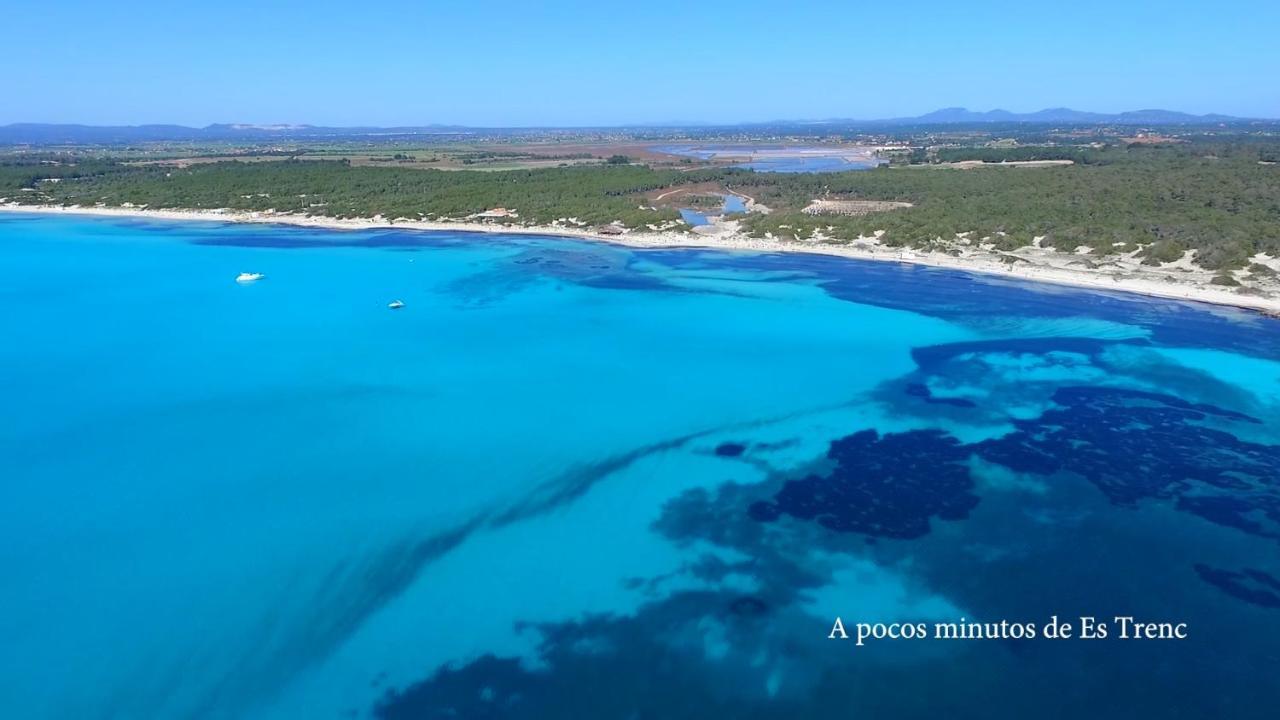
(567, 473)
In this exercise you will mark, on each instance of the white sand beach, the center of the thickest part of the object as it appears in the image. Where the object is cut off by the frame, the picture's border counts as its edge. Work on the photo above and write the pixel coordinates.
(1180, 281)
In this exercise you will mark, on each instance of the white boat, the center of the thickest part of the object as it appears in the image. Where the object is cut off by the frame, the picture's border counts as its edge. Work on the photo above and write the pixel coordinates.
(247, 277)
(395, 304)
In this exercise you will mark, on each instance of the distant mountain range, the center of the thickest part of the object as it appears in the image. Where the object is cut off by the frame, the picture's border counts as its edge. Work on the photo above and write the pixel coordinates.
(1064, 115)
(48, 134)
(52, 134)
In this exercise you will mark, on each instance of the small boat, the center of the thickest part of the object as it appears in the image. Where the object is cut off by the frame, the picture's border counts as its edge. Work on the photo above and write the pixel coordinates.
(247, 277)
(395, 304)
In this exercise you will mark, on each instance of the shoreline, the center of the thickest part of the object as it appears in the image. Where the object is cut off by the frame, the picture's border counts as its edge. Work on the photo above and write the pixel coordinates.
(724, 236)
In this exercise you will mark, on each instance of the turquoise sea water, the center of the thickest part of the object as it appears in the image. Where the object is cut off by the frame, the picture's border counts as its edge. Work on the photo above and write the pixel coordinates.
(575, 480)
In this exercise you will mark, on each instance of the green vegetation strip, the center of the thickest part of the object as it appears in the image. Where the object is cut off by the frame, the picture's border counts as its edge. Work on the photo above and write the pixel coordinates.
(1217, 199)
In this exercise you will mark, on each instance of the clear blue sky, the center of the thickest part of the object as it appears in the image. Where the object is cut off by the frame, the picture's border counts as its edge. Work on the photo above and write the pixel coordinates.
(573, 62)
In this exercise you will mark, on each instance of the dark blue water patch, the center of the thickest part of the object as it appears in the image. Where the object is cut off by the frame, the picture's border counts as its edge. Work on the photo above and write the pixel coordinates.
(641, 281)
(960, 296)
(572, 263)
(652, 663)
(1228, 510)
(931, 357)
(748, 605)
(730, 449)
(1135, 445)
(593, 266)
(1252, 586)
(1132, 445)
(885, 486)
(607, 666)
(1076, 395)
(1042, 365)
(610, 665)
(298, 238)
(923, 392)
(912, 400)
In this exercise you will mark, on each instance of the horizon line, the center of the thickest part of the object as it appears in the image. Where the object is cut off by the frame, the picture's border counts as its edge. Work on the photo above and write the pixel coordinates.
(994, 115)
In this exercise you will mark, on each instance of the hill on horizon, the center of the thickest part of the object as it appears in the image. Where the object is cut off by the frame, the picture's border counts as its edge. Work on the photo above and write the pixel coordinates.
(1067, 115)
(59, 133)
